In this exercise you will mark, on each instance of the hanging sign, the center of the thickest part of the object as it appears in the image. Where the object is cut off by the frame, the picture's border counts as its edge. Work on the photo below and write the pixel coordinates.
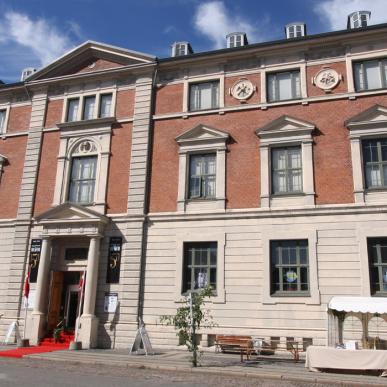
(36, 248)
(114, 260)
(111, 302)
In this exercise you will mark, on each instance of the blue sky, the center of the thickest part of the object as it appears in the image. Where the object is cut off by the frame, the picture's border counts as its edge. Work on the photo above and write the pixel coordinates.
(35, 32)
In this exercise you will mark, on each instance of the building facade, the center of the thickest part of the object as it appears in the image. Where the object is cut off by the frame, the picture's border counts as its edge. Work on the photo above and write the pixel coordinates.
(257, 169)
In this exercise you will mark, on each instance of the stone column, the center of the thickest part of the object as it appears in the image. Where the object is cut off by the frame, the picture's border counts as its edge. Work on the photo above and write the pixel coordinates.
(89, 322)
(41, 300)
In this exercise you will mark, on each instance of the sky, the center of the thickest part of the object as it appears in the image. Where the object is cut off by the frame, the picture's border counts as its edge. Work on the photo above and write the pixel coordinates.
(33, 33)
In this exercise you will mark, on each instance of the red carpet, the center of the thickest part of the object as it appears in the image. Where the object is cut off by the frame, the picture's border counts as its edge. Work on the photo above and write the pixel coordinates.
(46, 345)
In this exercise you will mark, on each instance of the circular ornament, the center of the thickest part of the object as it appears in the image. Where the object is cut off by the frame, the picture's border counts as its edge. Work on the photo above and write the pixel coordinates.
(326, 79)
(242, 89)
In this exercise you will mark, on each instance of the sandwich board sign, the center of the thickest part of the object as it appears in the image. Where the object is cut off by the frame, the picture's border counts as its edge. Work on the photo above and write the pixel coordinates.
(142, 340)
(14, 327)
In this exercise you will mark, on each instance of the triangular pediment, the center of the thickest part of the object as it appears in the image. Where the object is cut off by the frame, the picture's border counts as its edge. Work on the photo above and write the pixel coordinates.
(91, 57)
(202, 133)
(285, 126)
(70, 213)
(3, 159)
(374, 116)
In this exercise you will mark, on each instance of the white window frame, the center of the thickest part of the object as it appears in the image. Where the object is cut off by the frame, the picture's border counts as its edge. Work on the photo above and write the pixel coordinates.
(202, 140)
(371, 124)
(193, 80)
(280, 69)
(81, 97)
(3, 129)
(284, 132)
(208, 236)
(72, 135)
(350, 59)
(270, 233)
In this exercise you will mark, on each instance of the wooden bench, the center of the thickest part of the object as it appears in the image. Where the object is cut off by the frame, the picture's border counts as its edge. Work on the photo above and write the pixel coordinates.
(292, 346)
(230, 343)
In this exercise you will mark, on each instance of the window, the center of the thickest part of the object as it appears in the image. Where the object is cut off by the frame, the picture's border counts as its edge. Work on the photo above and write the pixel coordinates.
(199, 267)
(375, 163)
(286, 170)
(370, 74)
(295, 30)
(283, 86)
(82, 182)
(377, 254)
(72, 109)
(76, 254)
(289, 267)
(89, 107)
(204, 95)
(202, 169)
(105, 105)
(202, 176)
(2, 120)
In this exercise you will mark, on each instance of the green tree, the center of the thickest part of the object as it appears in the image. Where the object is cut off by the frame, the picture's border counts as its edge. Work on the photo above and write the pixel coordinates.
(189, 318)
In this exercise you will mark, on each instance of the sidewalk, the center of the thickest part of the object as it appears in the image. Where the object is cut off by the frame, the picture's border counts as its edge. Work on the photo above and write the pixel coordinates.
(214, 363)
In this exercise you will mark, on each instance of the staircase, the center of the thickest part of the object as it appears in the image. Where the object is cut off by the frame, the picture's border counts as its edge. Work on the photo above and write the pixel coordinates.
(63, 341)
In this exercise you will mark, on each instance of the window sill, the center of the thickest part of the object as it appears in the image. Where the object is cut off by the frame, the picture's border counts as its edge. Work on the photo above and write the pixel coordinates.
(288, 194)
(290, 294)
(192, 205)
(86, 123)
(292, 200)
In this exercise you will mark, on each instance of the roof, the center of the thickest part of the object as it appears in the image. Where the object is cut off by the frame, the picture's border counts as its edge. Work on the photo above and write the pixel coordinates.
(285, 41)
(359, 304)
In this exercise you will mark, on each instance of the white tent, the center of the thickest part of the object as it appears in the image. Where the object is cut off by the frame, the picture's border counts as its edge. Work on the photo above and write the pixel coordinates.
(359, 304)
(340, 305)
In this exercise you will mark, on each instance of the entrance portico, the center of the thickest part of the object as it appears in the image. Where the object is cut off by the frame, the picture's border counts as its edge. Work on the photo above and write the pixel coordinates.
(61, 223)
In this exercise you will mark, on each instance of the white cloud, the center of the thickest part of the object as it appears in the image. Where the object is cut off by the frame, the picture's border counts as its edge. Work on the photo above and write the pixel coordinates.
(213, 20)
(41, 37)
(333, 13)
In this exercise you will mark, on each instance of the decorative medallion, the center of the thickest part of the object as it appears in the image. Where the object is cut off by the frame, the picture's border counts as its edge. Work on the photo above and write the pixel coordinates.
(85, 147)
(242, 89)
(327, 79)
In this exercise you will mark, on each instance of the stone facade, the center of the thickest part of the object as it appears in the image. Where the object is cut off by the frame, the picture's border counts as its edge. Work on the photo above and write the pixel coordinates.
(142, 149)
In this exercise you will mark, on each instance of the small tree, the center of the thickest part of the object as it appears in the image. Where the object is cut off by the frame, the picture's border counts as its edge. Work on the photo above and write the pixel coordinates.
(189, 318)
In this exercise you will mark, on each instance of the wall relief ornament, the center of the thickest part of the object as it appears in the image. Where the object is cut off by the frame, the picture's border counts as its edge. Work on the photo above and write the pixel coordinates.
(242, 90)
(327, 79)
(85, 147)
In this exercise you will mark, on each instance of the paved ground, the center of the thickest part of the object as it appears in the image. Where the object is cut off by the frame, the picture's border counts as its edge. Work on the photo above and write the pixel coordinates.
(167, 368)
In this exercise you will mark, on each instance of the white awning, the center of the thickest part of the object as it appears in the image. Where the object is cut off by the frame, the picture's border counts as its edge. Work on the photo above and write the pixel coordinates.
(359, 304)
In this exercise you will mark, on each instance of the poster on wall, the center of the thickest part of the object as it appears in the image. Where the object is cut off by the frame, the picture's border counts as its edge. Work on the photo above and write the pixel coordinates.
(111, 302)
(114, 260)
(36, 248)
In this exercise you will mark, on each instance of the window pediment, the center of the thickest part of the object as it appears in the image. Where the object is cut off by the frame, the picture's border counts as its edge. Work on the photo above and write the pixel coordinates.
(372, 118)
(202, 135)
(70, 213)
(3, 159)
(285, 126)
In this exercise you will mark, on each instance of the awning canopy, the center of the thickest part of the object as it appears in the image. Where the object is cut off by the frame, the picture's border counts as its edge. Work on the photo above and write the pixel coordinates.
(359, 304)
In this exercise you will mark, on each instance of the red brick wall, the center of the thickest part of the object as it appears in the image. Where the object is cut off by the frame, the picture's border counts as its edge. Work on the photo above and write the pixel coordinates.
(19, 119)
(54, 113)
(332, 158)
(14, 149)
(255, 98)
(169, 99)
(47, 172)
(311, 71)
(125, 103)
(118, 178)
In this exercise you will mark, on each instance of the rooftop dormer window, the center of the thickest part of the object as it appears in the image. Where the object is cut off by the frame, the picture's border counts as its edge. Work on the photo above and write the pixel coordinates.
(181, 49)
(295, 30)
(236, 39)
(358, 19)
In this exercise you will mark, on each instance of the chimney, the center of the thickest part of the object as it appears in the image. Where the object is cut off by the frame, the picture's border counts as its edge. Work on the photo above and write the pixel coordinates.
(236, 39)
(181, 49)
(358, 19)
(27, 72)
(295, 30)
